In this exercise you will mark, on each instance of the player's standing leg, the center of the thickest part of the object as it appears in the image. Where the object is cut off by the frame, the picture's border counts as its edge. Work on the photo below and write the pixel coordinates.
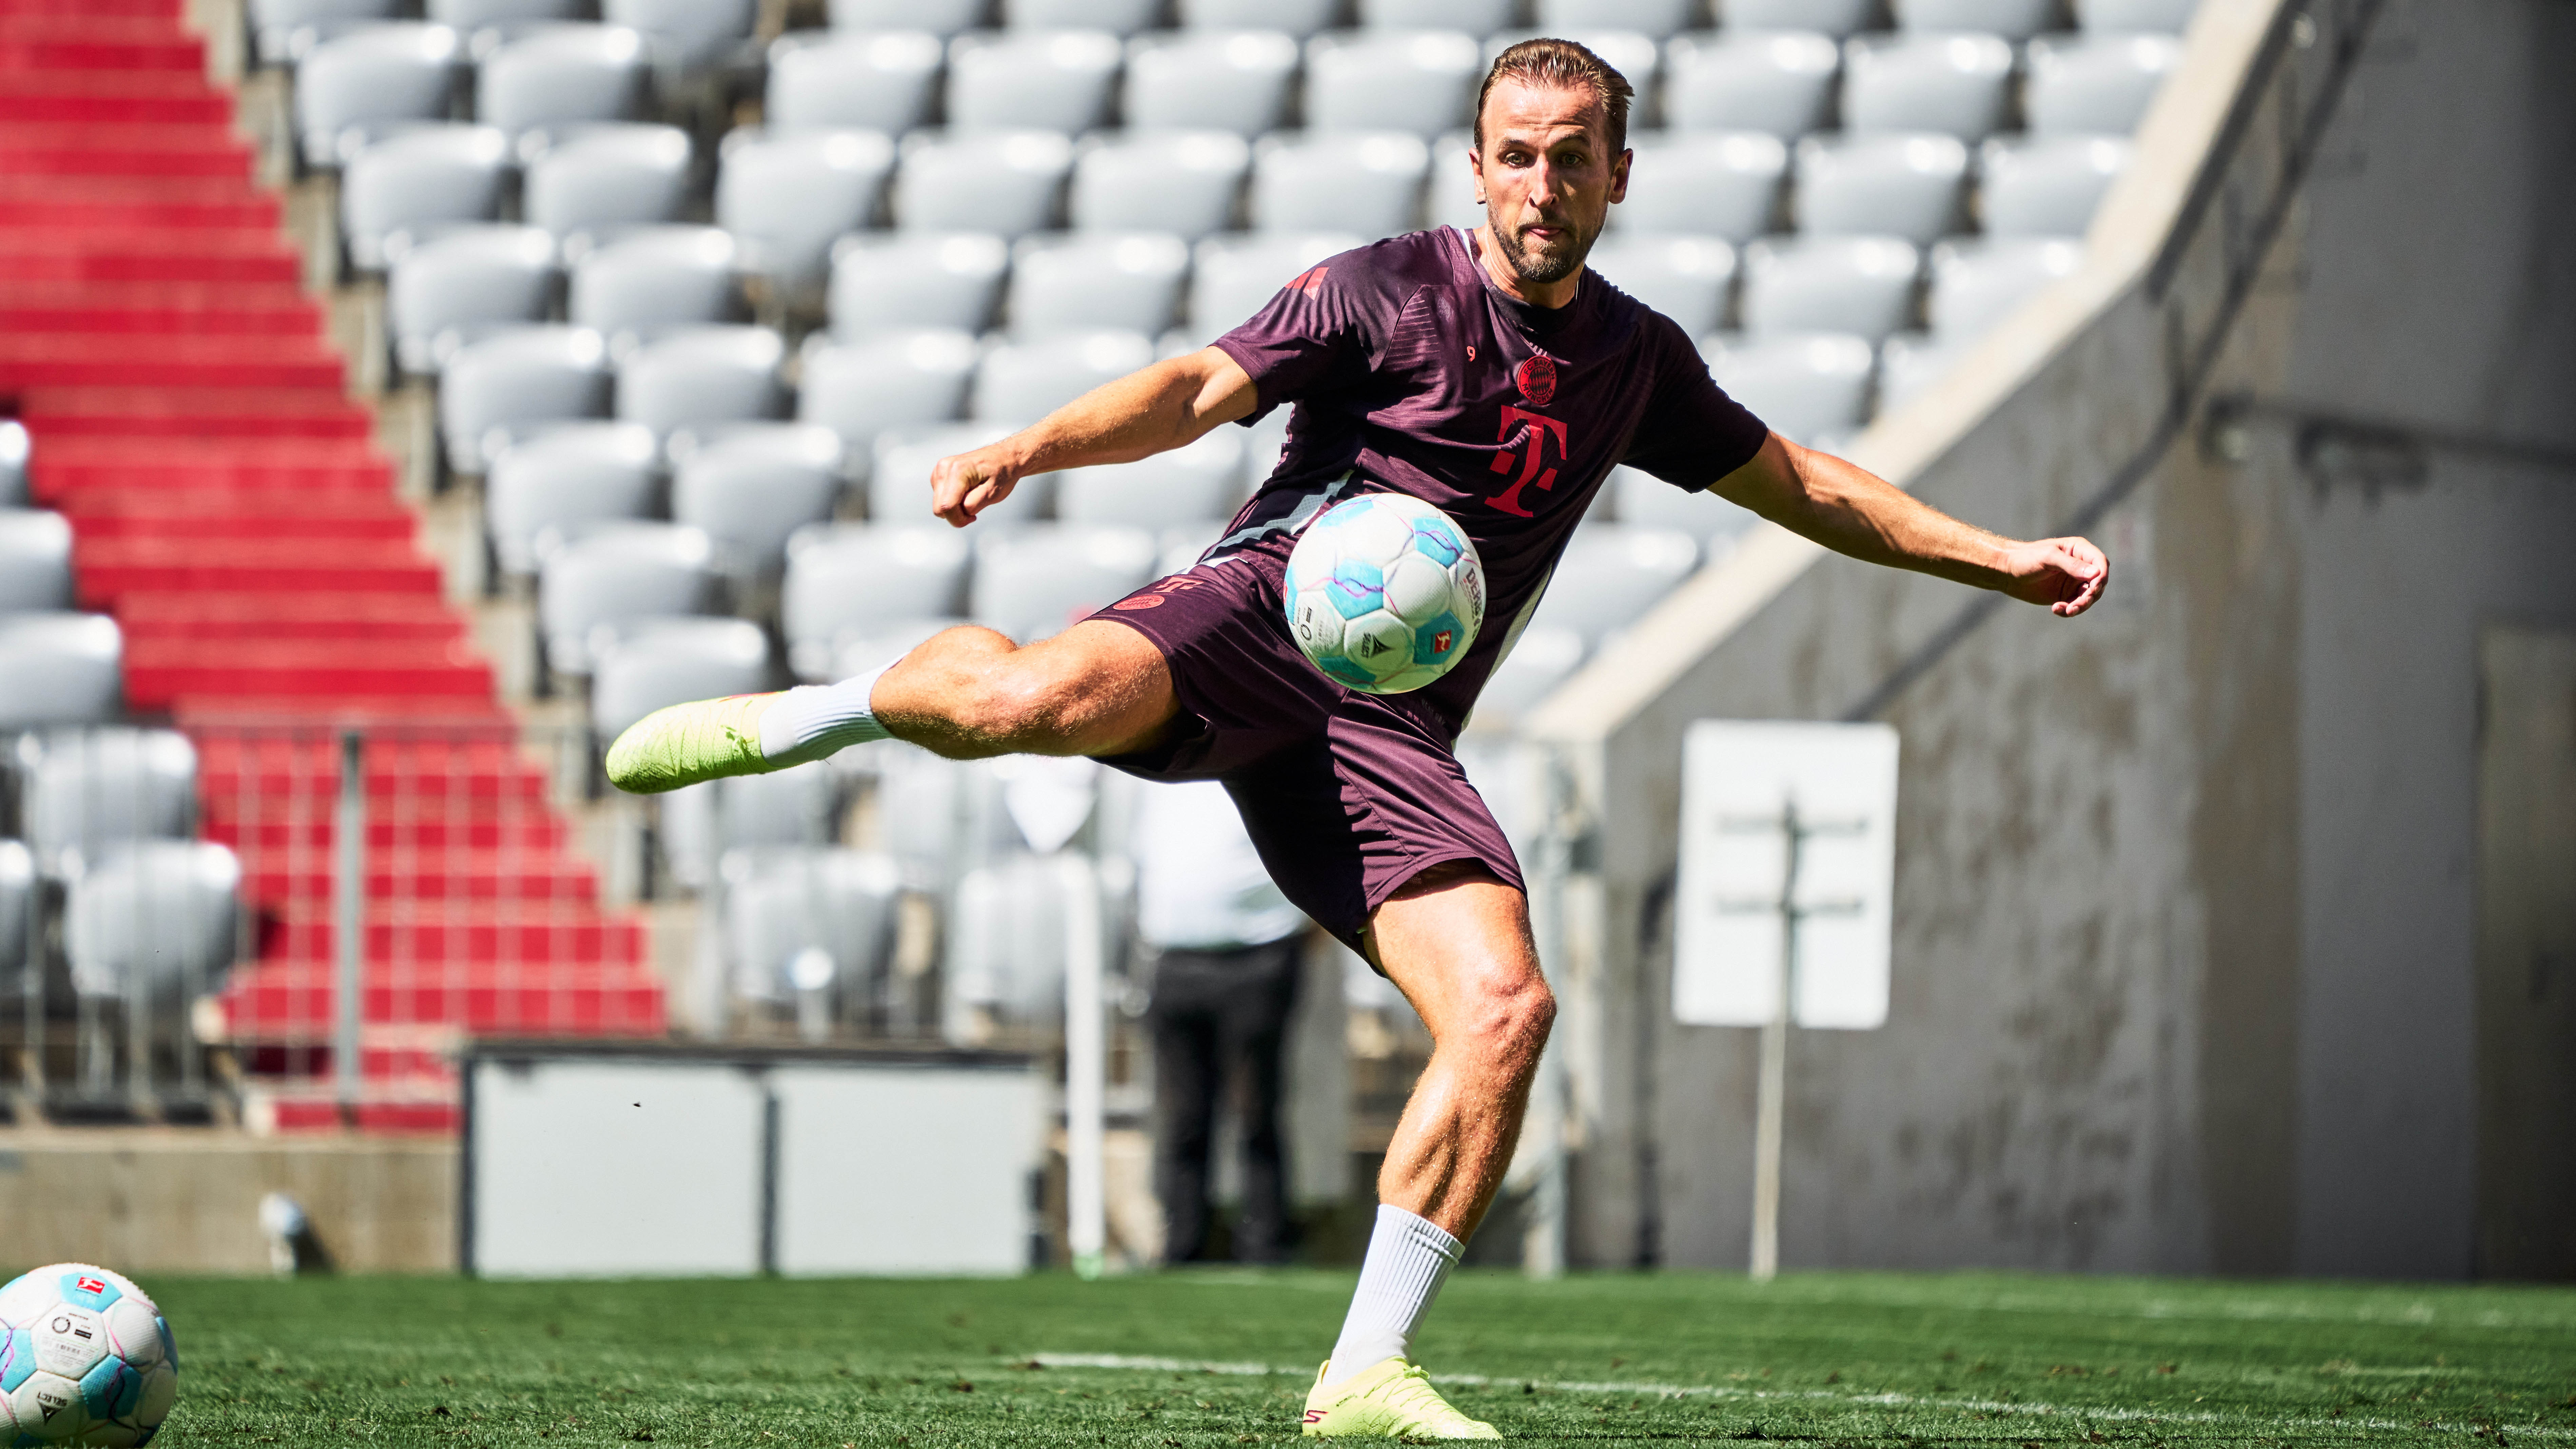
(1456, 941)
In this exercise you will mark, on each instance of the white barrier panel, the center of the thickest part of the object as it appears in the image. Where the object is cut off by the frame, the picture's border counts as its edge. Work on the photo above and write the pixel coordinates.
(890, 1169)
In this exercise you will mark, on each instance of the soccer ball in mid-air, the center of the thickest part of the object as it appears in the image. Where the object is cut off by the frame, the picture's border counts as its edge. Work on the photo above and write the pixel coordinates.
(1385, 593)
(88, 1359)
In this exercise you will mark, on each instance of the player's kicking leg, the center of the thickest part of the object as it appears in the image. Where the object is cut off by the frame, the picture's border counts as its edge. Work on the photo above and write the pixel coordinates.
(1456, 941)
(967, 693)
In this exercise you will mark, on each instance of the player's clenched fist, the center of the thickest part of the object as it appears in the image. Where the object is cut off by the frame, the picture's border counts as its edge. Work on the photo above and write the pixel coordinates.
(963, 486)
(2065, 574)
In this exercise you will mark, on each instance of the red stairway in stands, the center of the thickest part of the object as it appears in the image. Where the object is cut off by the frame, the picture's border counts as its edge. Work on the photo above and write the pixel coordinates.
(231, 509)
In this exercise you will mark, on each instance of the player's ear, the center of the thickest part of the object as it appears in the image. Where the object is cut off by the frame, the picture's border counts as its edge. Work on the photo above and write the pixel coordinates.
(1619, 177)
(1476, 165)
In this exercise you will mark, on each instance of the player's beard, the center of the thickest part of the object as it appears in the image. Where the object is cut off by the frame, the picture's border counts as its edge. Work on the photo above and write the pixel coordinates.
(1534, 264)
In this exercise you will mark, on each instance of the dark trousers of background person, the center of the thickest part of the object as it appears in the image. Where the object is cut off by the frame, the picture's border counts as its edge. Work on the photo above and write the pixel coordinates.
(1216, 1017)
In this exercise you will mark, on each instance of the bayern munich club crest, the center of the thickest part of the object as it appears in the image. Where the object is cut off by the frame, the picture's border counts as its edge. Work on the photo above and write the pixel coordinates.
(1537, 379)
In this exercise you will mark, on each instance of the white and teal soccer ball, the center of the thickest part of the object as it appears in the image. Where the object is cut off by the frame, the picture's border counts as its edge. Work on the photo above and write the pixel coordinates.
(88, 1359)
(1385, 593)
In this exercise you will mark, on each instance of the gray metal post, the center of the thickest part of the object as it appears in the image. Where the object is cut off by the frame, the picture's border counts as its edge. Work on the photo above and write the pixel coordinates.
(349, 917)
(1772, 1092)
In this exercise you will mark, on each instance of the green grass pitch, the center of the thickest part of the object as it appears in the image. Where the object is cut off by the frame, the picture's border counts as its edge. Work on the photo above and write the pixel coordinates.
(1204, 1359)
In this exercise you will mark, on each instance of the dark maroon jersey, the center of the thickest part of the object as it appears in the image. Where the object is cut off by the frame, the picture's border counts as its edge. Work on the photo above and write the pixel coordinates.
(1412, 372)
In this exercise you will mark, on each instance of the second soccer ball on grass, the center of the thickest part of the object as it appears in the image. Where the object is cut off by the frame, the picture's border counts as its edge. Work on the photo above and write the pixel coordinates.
(1385, 594)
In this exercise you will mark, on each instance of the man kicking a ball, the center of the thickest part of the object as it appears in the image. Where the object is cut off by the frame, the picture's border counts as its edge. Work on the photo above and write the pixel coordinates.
(1488, 374)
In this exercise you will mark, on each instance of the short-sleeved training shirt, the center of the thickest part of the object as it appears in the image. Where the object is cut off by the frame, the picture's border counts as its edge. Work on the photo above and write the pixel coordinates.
(1409, 368)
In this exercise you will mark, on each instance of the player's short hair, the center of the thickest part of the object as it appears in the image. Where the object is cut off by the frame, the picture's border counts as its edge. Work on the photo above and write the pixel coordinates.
(1563, 65)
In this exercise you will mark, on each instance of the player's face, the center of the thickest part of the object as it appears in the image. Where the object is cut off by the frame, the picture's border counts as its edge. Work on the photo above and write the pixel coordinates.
(1547, 176)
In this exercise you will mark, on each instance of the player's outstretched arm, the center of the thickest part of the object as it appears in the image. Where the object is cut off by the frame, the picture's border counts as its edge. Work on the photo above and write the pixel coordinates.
(1139, 415)
(1851, 510)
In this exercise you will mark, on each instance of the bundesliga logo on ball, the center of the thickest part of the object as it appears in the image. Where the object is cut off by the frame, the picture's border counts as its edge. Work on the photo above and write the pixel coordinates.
(88, 1359)
(1385, 594)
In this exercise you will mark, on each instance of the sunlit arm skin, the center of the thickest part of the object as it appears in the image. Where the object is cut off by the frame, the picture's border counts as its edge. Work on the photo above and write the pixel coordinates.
(1853, 511)
(1160, 408)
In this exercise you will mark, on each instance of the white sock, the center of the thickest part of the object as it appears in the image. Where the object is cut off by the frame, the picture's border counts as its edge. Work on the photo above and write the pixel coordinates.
(813, 720)
(1409, 1257)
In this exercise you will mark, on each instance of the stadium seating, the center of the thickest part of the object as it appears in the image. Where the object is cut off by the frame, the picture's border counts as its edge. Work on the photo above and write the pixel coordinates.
(574, 475)
(1187, 183)
(1450, 197)
(940, 17)
(899, 476)
(463, 285)
(561, 77)
(2047, 187)
(1233, 277)
(17, 902)
(82, 794)
(1539, 661)
(703, 823)
(1121, 17)
(1687, 278)
(275, 25)
(1860, 285)
(1780, 82)
(1837, 18)
(1977, 283)
(853, 652)
(861, 578)
(1421, 82)
(368, 83)
(1903, 184)
(35, 561)
(1609, 575)
(1957, 85)
(1910, 363)
(62, 668)
(687, 35)
(1369, 181)
(2012, 19)
(887, 379)
(641, 665)
(599, 178)
(1087, 282)
(869, 81)
(517, 380)
(1807, 385)
(13, 463)
(906, 280)
(153, 921)
(1300, 18)
(1032, 582)
(1007, 182)
(1202, 481)
(750, 487)
(791, 196)
(1056, 80)
(492, 21)
(615, 574)
(418, 182)
(1641, 499)
(812, 925)
(2096, 84)
(1211, 80)
(1020, 382)
(1477, 17)
(1723, 184)
(700, 375)
(2165, 17)
(653, 280)
(1657, 20)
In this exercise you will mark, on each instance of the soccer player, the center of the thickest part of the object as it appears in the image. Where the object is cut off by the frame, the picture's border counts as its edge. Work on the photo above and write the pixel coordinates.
(1491, 375)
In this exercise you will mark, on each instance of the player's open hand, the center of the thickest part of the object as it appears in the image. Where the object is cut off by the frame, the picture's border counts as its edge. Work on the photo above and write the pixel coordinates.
(963, 486)
(2065, 574)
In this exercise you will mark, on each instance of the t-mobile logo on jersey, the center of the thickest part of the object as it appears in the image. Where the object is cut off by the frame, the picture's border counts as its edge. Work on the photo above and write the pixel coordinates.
(1530, 431)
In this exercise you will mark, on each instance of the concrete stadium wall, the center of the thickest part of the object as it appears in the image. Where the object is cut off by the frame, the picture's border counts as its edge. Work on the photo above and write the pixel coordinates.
(2184, 923)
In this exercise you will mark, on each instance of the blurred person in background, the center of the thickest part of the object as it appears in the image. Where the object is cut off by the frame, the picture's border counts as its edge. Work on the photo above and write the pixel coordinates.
(1226, 945)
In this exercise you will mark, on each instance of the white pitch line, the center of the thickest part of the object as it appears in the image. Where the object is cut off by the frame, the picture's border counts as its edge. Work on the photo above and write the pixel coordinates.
(1716, 1391)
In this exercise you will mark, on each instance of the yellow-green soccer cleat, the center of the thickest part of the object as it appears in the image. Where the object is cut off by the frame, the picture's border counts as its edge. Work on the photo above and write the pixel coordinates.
(686, 743)
(1394, 1400)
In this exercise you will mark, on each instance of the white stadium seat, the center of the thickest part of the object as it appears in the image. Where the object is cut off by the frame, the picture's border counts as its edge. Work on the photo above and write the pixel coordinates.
(563, 478)
(1450, 198)
(1703, 183)
(2012, 19)
(1422, 82)
(892, 378)
(1089, 281)
(854, 652)
(1300, 18)
(939, 17)
(1645, 501)
(560, 77)
(1476, 17)
(2108, 17)
(1370, 182)
(1857, 284)
(860, 579)
(642, 665)
(616, 574)
(1687, 278)
(1185, 182)
(791, 196)
(1837, 18)
(841, 81)
(702, 375)
(1119, 17)
(154, 924)
(420, 181)
(89, 792)
(1054, 80)
(1656, 19)
(1201, 481)
(2048, 186)
(1541, 659)
(1213, 80)
(688, 35)
(1020, 382)
(278, 27)
(2101, 84)
(369, 83)
(461, 285)
(654, 279)
(35, 561)
(754, 834)
(489, 22)
(1610, 575)
(62, 669)
(601, 178)
(1237, 276)
(518, 381)
(1910, 363)
(904, 280)
(1902, 184)
(1805, 386)
(14, 449)
(1977, 283)
(751, 486)
(1006, 182)
(809, 925)
(1958, 85)
(1034, 582)
(1781, 82)
(899, 476)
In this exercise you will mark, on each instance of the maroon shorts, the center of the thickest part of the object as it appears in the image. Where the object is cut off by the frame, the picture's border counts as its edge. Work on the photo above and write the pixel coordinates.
(1347, 795)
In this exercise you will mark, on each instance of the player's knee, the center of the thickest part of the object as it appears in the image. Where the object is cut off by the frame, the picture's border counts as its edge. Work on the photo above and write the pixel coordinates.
(1515, 1010)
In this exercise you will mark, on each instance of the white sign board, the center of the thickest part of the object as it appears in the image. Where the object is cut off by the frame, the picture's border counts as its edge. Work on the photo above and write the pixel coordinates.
(1746, 786)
